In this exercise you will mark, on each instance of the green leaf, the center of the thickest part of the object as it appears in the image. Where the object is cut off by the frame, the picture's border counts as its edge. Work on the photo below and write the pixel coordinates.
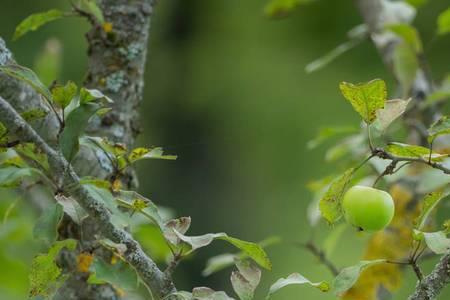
(332, 55)
(436, 241)
(222, 261)
(412, 151)
(33, 153)
(391, 111)
(46, 227)
(89, 95)
(280, 8)
(366, 98)
(34, 21)
(3, 130)
(428, 204)
(91, 7)
(45, 275)
(13, 176)
(327, 133)
(63, 95)
(252, 250)
(409, 35)
(120, 274)
(405, 66)
(245, 279)
(348, 276)
(75, 125)
(100, 183)
(296, 278)
(34, 114)
(444, 22)
(330, 204)
(440, 127)
(28, 76)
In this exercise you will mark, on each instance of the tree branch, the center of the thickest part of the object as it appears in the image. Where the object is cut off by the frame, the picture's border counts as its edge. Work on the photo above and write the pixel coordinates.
(311, 247)
(381, 153)
(430, 287)
(159, 284)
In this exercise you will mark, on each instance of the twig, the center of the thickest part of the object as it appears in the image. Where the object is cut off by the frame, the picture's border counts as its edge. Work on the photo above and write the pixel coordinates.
(381, 153)
(320, 254)
(431, 285)
(388, 171)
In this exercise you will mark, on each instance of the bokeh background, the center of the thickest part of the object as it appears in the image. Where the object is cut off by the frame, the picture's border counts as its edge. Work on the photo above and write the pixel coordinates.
(227, 92)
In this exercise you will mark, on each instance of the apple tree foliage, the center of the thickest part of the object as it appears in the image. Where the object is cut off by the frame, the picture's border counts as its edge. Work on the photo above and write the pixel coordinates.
(391, 149)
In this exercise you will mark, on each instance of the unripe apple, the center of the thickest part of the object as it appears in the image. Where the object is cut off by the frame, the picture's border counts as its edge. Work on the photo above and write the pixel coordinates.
(368, 208)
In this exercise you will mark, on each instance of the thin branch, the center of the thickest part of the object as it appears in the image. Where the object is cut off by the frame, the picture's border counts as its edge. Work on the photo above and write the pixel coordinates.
(159, 283)
(381, 153)
(320, 254)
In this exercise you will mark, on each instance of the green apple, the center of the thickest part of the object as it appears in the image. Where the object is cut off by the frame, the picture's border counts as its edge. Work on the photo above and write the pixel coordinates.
(368, 208)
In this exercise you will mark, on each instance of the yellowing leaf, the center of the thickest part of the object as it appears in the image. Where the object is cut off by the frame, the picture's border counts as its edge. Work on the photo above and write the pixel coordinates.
(149, 153)
(84, 262)
(34, 21)
(330, 204)
(391, 111)
(107, 27)
(366, 98)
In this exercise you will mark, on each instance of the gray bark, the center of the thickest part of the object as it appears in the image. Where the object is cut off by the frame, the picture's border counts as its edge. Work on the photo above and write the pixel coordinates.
(116, 62)
(430, 287)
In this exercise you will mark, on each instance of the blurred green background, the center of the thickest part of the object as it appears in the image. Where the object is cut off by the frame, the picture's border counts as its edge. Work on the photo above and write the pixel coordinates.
(227, 92)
